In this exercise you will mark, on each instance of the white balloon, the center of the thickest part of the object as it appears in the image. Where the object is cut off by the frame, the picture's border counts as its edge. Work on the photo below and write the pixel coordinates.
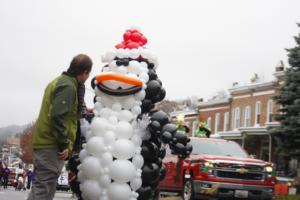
(98, 106)
(132, 75)
(136, 140)
(105, 112)
(140, 95)
(118, 191)
(121, 70)
(104, 180)
(144, 77)
(124, 130)
(128, 103)
(134, 67)
(98, 125)
(116, 107)
(136, 110)
(134, 53)
(91, 167)
(136, 183)
(107, 100)
(91, 189)
(104, 197)
(112, 65)
(95, 146)
(110, 55)
(138, 161)
(80, 176)
(123, 149)
(125, 115)
(109, 137)
(144, 66)
(122, 171)
(106, 159)
(113, 120)
(82, 155)
(88, 135)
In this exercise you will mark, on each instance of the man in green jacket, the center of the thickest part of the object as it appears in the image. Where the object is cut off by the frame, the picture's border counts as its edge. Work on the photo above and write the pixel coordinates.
(56, 126)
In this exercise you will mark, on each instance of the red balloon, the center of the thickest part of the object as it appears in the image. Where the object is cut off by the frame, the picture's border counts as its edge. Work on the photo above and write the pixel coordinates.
(120, 46)
(136, 36)
(132, 45)
(126, 35)
(144, 40)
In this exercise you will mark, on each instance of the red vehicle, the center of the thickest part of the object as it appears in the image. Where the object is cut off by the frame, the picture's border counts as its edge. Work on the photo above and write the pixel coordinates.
(218, 169)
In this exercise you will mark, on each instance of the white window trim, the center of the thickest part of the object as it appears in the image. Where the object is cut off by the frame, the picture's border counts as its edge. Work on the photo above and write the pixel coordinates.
(247, 119)
(217, 122)
(208, 122)
(269, 109)
(237, 113)
(226, 121)
(257, 112)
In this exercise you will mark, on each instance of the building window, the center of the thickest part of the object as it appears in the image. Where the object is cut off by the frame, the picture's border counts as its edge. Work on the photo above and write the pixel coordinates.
(226, 121)
(270, 111)
(209, 122)
(257, 112)
(236, 123)
(247, 116)
(217, 122)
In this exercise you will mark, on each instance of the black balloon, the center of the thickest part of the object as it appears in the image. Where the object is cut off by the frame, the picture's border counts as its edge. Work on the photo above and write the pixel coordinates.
(169, 128)
(180, 148)
(166, 137)
(161, 117)
(154, 127)
(153, 88)
(189, 148)
(149, 151)
(162, 94)
(181, 137)
(144, 193)
(152, 74)
(147, 105)
(150, 173)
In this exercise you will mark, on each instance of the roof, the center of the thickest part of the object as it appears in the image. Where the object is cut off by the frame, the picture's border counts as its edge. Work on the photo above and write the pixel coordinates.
(251, 87)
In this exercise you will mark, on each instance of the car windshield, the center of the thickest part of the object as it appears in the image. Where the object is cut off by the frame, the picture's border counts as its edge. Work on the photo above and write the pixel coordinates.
(220, 148)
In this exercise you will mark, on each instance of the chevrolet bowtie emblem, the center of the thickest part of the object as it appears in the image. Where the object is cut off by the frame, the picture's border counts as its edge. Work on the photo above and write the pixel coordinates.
(242, 170)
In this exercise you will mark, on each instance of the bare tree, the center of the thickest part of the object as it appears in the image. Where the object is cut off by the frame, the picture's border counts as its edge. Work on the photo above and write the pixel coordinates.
(26, 144)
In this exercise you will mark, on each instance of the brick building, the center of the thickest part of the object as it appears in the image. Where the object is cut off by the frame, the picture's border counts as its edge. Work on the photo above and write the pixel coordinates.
(243, 116)
(246, 115)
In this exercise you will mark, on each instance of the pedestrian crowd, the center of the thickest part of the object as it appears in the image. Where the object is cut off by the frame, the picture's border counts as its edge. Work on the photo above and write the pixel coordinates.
(19, 178)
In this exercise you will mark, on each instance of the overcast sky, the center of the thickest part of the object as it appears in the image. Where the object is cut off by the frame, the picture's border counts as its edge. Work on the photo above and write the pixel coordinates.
(202, 45)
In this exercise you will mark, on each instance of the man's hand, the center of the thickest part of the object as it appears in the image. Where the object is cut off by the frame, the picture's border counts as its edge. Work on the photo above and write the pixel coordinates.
(63, 155)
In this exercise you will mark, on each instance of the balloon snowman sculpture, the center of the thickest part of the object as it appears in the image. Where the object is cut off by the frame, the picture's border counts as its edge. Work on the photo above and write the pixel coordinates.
(126, 141)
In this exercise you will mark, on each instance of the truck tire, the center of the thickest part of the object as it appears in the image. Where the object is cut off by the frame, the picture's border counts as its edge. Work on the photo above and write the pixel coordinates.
(188, 190)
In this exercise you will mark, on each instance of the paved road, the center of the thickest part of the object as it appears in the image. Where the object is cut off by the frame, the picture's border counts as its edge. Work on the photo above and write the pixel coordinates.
(11, 194)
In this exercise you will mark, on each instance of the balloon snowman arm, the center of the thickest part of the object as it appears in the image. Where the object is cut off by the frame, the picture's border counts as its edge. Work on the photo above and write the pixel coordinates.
(168, 134)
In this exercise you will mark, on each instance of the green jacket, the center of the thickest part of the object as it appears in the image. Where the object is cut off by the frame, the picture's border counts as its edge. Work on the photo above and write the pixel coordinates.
(203, 130)
(56, 125)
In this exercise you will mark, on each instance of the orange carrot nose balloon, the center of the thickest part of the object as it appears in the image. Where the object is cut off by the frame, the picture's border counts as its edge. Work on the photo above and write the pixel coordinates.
(120, 78)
